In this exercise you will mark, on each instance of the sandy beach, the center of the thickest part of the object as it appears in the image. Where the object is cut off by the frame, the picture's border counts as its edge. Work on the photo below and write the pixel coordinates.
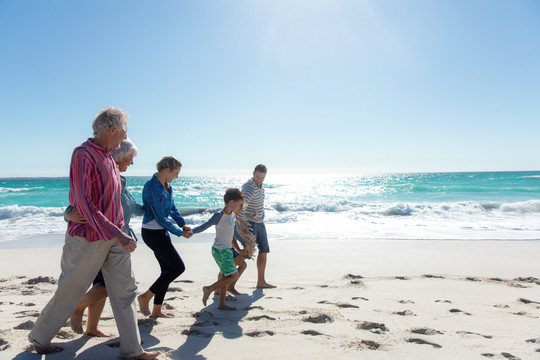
(386, 299)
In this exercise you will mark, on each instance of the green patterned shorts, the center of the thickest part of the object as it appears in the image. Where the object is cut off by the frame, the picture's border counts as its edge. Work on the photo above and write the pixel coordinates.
(224, 259)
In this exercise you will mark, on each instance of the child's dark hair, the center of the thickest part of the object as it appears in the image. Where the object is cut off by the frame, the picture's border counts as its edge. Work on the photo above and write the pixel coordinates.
(233, 194)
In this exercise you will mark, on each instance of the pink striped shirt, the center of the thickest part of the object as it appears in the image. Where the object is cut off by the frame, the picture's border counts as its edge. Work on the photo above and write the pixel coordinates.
(95, 190)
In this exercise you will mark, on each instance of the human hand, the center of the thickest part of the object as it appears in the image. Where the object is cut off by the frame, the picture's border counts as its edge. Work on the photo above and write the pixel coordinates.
(75, 216)
(126, 242)
(243, 252)
(187, 233)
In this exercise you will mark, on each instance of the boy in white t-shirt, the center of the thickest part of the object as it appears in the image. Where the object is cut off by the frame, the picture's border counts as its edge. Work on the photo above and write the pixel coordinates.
(225, 241)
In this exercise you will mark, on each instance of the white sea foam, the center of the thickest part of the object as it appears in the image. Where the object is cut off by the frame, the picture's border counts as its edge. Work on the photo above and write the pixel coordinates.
(7, 190)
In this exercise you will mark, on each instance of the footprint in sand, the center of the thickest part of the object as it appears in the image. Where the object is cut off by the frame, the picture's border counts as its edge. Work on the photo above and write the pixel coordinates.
(470, 278)
(346, 306)
(353, 277)
(41, 279)
(191, 332)
(113, 344)
(525, 301)
(260, 333)
(402, 278)
(319, 319)
(257, 318)
(504, 355)
(65, 335)
(254, 307)
(147, 322)
(371, 345)
(406, 302)
(423, 342)
(4, 345)
(531, 280)
(473, 333)
(359, 298)
(26, 313)
(184, 281)
(426, 331)
(429, 276)
(27, 325)
(375, 328)
(405, 313)
(457, 311)
(311, 332)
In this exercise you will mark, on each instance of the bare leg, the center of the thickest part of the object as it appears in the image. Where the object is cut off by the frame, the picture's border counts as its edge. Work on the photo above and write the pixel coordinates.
(241, 263)
(156, 312)
(219, 276)
(144, 302)
(261, 267)
(97, 293)
(94, 314)
(225, 281)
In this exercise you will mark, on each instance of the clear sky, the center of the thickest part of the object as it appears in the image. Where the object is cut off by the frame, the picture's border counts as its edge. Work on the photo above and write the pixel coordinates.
(299, 85)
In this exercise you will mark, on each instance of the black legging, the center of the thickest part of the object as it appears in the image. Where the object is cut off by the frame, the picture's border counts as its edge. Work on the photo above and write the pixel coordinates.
(170, 262)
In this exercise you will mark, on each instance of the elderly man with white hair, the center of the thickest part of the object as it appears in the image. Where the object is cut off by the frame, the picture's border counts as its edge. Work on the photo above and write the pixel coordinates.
(96, 297)
(99, 243)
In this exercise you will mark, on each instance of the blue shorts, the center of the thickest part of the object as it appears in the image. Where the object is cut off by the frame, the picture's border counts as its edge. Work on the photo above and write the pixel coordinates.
(261, 238)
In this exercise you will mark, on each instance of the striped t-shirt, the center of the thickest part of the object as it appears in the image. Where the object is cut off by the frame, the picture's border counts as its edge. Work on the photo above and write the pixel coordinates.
(95, 190)
(253, 202)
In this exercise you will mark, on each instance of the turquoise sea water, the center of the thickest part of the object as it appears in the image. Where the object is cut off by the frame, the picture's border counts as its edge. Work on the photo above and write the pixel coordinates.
(475, 205)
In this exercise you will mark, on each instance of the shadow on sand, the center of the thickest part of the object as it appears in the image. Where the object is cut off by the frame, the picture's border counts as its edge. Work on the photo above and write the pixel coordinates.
(211, 321)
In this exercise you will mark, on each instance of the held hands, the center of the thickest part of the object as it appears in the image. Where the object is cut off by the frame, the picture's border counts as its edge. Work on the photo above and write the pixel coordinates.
(187, 232)
(243, 252)
(126, 242)
(75, 216)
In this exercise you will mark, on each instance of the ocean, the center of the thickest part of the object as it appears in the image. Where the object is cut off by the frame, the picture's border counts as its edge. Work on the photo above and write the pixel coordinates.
(449, 206)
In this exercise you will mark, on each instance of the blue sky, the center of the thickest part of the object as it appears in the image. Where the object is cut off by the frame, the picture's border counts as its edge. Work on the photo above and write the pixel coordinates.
(302, 86)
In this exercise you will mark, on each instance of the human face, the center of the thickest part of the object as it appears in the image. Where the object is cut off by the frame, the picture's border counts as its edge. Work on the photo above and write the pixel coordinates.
(126, 162)
(170, 175)
(118, 136)
(236, 206)
(258, 177)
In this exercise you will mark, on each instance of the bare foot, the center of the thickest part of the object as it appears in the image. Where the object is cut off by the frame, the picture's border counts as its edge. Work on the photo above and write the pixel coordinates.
(206, 294)
(265, 285)
(143, 305)
(147, 355)
(49, 349)
(98, 333)
(75, 321)
(160, 315)
(226, 307)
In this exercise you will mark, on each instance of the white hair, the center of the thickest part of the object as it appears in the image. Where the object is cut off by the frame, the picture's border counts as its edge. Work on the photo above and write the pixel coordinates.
(127, 147)
(110, 116)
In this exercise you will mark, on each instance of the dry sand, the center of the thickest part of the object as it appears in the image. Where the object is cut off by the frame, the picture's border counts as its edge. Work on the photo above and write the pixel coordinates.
(335, 300)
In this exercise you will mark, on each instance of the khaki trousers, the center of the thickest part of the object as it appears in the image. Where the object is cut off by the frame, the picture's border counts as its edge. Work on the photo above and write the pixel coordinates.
(81, 261)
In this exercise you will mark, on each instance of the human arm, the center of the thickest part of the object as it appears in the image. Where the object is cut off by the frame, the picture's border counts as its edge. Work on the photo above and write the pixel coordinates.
(155, 200)
(72, 214)
(214, 220)
(138, 210)
(239, 237)
(235, 246)
(82, 187)
(126, 242)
